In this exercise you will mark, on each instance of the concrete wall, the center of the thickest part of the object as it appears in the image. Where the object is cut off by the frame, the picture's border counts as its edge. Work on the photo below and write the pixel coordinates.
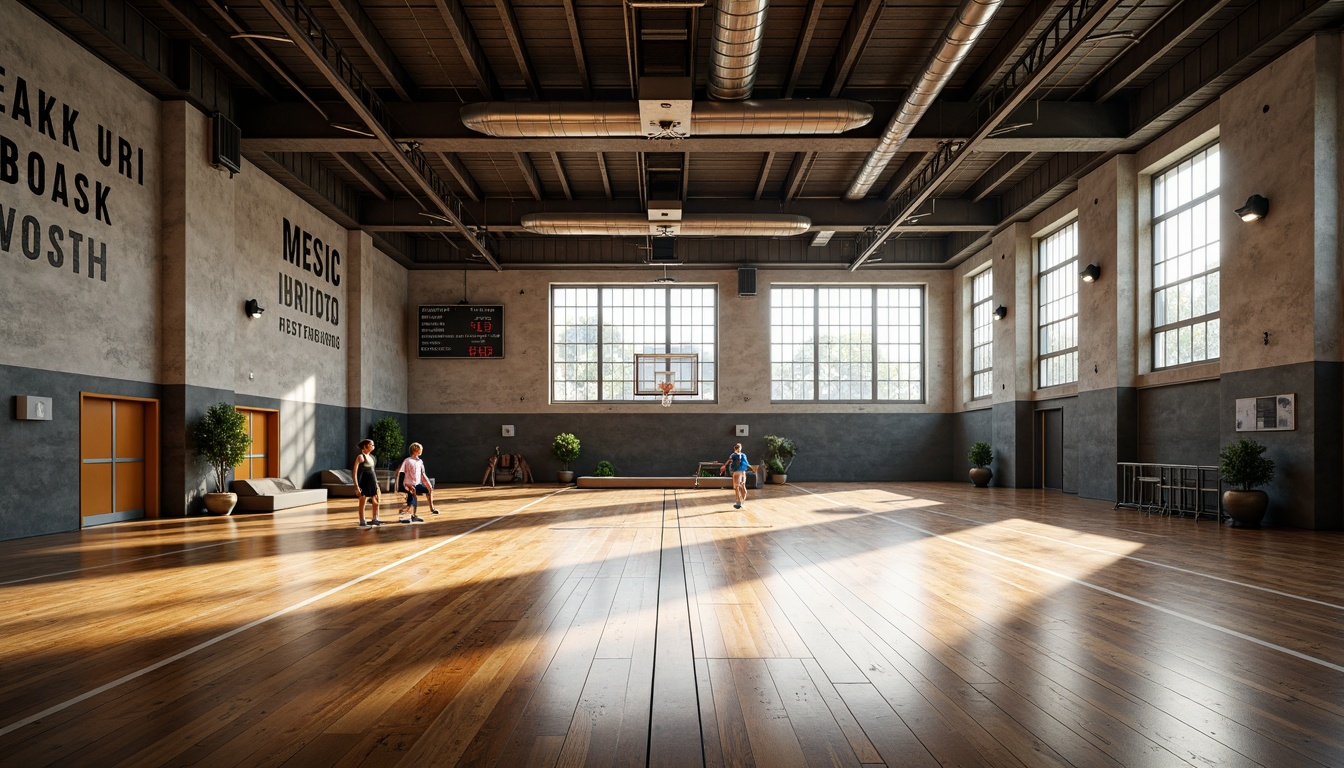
(519, 383)
(186, 245)
(79, 255)
(458, 406)
(60, 203)
(1278, 133)
(230, 239)
(179, 246)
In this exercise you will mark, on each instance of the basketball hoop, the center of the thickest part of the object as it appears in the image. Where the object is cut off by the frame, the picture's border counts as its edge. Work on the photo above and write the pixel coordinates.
(666, 388)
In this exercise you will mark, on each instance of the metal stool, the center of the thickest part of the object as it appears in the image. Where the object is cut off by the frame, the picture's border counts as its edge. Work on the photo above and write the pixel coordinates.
(1148, 495)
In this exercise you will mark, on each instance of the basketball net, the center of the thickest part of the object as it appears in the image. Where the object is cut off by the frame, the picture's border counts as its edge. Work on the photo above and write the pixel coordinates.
(666, 388)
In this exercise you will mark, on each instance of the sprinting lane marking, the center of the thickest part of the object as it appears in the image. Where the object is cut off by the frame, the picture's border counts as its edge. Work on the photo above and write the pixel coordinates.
(112, 565)
(1103, 590)
(258, 622)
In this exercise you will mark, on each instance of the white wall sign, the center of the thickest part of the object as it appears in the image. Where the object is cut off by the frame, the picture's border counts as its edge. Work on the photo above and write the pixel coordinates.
(1274, 413)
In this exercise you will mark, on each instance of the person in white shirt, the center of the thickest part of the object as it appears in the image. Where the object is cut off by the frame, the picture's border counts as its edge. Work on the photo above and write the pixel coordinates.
(415, 482)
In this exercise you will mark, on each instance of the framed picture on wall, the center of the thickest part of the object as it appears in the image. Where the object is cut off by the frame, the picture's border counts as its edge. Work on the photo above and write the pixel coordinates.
(1272, 413)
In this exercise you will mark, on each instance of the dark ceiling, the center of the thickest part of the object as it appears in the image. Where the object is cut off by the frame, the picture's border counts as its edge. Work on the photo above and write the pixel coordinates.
(356, 106)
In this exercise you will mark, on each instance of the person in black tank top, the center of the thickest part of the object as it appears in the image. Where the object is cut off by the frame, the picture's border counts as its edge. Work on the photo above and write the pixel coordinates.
(366, 482)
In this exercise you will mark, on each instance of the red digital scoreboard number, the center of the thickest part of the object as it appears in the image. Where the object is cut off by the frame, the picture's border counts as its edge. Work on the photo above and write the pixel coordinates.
(462, 330)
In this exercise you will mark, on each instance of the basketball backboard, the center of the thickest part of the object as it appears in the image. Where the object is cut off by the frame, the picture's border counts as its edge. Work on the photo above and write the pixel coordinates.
(654, 371)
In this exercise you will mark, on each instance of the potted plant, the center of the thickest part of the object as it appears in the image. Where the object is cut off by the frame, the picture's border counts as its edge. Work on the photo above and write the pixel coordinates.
(604, 469)
(388, 444)
(980, 456)
(221, 439)
(779, 453)
(1244, 466)
(565, 448)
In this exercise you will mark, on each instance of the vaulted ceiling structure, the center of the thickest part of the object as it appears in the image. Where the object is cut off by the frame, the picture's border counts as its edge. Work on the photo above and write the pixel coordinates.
(823, 133)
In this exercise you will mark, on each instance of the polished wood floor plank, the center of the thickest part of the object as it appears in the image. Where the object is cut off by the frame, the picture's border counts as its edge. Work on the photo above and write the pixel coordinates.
(823, 624)
(710, 737)
(774, 741)
(858, 741)
(893, 739)
(674, 723)
(733, 742)
(822, 740)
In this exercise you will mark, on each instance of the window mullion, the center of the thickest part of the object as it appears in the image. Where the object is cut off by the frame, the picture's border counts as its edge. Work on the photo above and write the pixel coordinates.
(816, 343)
(872, 352)
(601, 352)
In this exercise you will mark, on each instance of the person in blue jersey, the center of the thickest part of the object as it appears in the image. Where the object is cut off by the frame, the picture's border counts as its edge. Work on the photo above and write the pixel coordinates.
(738, 465)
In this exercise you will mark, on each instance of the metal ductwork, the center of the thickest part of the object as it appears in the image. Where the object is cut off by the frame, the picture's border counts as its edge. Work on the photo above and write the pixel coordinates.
(694, 225)
(970, 20)
(739, 28)
(516, 120)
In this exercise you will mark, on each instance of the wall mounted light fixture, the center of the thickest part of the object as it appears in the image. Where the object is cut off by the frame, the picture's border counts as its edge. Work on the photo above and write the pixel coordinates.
(253, 309)
(1090, 273)
(1000, 312)
(1255, 209)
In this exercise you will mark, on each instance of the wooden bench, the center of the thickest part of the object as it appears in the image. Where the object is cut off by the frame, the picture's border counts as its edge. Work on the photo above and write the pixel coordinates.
(717, 481)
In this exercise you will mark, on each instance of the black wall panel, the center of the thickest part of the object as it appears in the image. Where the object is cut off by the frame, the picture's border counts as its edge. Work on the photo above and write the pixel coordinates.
(866, 446)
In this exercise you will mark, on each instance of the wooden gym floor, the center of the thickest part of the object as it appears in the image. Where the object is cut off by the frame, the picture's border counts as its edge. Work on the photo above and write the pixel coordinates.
(824, 624)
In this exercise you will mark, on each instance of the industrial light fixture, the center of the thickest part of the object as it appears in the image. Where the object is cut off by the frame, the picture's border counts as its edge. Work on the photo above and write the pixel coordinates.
(273, 38)
(1255, 209)
(253, 309)
(1090, 273)
(1000, 312)
(1112, 35)
(358, 131)
(1006, 129)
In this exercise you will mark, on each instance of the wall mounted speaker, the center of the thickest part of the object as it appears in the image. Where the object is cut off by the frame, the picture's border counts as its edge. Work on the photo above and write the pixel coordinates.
(746, 281)
(228, 144)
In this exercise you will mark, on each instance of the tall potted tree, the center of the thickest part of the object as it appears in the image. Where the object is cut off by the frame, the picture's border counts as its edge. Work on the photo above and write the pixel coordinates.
(779, 453)
(388, 444)
(565, 448)
(980, 456)
(221, 439)
(1243, 465)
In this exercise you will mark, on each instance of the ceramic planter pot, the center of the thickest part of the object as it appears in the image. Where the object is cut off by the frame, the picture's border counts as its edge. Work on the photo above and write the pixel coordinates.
(1246, 508)
(778, 479)
(220, 503)
(981, 476)
(565, 476)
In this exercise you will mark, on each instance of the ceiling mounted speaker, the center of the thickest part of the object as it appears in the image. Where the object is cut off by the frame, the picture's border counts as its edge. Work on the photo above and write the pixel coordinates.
(746, 281)
(664, 251)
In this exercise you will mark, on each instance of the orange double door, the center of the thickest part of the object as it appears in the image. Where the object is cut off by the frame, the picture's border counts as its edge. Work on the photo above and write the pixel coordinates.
(263, 458)
(118, 459)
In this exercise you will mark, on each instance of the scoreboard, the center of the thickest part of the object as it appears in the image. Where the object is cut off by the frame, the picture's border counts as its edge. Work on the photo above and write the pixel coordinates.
(461, 330)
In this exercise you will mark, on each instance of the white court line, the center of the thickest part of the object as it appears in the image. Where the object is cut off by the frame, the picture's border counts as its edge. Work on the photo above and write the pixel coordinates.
(1146, 561)
(112, 565)
(239, 630)
(1103, 590)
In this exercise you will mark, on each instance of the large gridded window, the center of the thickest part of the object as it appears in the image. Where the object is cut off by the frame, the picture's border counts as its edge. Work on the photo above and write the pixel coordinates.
(1186, 261)
(982, 334)
(596, 331)
(847, 343)
(1057, 307)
